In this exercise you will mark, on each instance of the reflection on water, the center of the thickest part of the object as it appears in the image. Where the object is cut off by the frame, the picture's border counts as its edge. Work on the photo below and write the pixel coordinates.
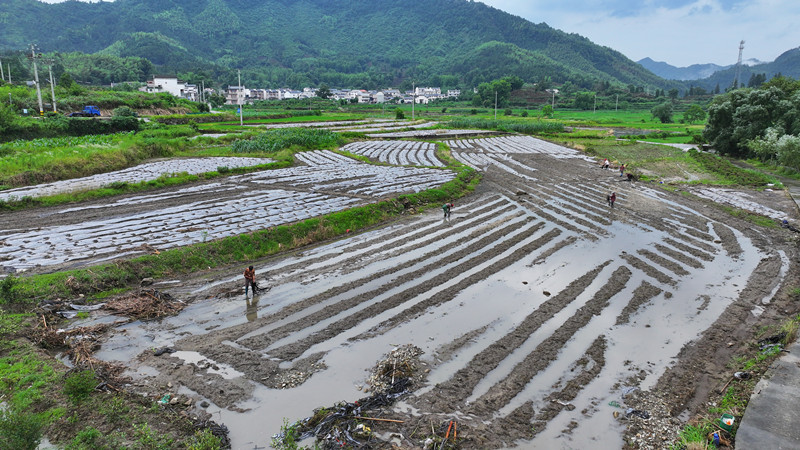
(251, 311)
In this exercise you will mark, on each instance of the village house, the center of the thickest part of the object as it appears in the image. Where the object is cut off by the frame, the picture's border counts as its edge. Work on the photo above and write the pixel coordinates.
(171, 85)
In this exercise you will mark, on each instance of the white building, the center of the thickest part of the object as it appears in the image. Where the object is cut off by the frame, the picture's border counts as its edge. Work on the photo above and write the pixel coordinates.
(171, 85)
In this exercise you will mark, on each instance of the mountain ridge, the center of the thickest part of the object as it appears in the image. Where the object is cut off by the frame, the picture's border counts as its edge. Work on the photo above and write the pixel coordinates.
(308, 42)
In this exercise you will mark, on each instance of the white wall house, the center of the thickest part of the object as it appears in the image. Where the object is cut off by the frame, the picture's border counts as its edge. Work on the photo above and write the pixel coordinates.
(171, 85)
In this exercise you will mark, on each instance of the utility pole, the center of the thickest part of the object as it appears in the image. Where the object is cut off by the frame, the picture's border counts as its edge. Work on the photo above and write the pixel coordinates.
(239, 99)
(495, 105)
(594, 110)
(52, 83)
(414, 97)
(36, 78)
(616, 107)
(2, 74)
(553, 105)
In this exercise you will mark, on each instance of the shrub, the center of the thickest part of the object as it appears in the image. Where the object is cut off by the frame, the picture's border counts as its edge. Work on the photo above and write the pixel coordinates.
(79, 385)
(399, 114)
(8, 290)
(123, 111)
(204, 440)
(508, 112)
(20, 430)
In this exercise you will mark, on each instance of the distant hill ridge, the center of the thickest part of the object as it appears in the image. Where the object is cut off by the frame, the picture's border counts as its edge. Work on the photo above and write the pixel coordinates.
(670, 72)
(358, 43)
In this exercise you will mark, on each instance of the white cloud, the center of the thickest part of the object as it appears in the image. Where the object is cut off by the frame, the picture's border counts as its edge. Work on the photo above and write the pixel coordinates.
(680, 32)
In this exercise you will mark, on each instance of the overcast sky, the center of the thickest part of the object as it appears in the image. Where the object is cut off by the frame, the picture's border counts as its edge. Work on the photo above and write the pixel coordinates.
(679, 32)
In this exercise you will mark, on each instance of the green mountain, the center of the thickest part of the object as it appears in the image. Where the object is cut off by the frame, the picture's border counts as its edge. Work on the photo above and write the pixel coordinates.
(356, 43)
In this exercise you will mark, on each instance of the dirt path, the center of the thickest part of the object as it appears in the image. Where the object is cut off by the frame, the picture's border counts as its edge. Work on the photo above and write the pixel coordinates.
(535, 306)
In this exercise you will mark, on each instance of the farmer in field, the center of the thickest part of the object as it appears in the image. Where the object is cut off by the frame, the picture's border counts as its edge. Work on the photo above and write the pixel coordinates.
(446, 208)
(606, 164)
(621, 169)
(250, 280)
(611, 198)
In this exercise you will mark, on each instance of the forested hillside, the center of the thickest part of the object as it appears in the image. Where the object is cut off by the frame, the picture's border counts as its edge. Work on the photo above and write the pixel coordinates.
(358, 43)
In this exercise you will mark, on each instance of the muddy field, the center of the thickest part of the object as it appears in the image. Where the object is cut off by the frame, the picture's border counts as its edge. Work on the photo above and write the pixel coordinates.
(536, 305)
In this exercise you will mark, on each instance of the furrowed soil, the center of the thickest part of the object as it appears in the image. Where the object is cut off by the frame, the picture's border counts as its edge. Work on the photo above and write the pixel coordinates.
(536, 306)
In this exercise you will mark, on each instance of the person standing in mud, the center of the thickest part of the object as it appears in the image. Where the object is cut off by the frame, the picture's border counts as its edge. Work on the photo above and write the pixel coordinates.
(447, 207)
(250, 280)
(611, 199)
(621, 169)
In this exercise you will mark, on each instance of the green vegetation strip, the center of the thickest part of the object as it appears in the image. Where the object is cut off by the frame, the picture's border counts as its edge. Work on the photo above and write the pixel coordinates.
(233, 249)
(730, 173)
(517, 126)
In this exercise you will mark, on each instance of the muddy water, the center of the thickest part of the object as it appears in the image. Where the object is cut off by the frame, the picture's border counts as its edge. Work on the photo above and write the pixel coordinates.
(507, 300)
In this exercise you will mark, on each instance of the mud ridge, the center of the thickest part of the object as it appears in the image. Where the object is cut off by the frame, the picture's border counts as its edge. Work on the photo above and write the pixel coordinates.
(464, 381)
(290, 351)
(641, 295)
(679, 256)
(420, 307)
(423, 265)
(648, 270)
(729, 241)
(664, 262)
(548, 350)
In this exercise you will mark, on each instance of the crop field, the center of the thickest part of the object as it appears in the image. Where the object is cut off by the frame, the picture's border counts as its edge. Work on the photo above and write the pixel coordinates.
(89, 233)
(537, 307)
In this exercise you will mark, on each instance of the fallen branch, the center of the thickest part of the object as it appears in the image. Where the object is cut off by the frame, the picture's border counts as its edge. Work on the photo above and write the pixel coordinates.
(377, 419)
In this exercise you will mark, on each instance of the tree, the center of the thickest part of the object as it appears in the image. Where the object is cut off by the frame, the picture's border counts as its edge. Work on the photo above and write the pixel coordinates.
(673, 94)
(324, 92)
(695, 113)
(663, 112)
(547, 111)
(584, 100)
(216, 100)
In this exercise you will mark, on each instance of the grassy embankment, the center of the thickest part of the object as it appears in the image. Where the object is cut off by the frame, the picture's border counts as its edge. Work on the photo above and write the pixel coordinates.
(733, 398)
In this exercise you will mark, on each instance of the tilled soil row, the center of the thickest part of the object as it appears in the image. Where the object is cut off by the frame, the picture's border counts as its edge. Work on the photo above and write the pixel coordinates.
(641, 295)
(425, 264)
(291, 351)
(548, 350)
(464, 381)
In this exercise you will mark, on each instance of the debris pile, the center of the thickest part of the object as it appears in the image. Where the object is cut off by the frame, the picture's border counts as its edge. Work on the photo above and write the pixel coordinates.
(146, 304)
(350, 424)
(401, 362)
(80, 344)
(218, 430)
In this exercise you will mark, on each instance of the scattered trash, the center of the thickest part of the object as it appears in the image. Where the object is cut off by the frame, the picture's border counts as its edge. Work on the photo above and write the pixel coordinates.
(627, 390)
(774, 339)
(162, 350)
(615, 404)
(726, 422)
(164, 400)
(638, 413)
(771, 348)
(714, 438)
(218, 430)
(86, 307)
(742, 375)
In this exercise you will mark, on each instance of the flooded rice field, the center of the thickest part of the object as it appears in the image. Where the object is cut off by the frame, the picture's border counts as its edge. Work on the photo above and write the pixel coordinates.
(536, 304)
